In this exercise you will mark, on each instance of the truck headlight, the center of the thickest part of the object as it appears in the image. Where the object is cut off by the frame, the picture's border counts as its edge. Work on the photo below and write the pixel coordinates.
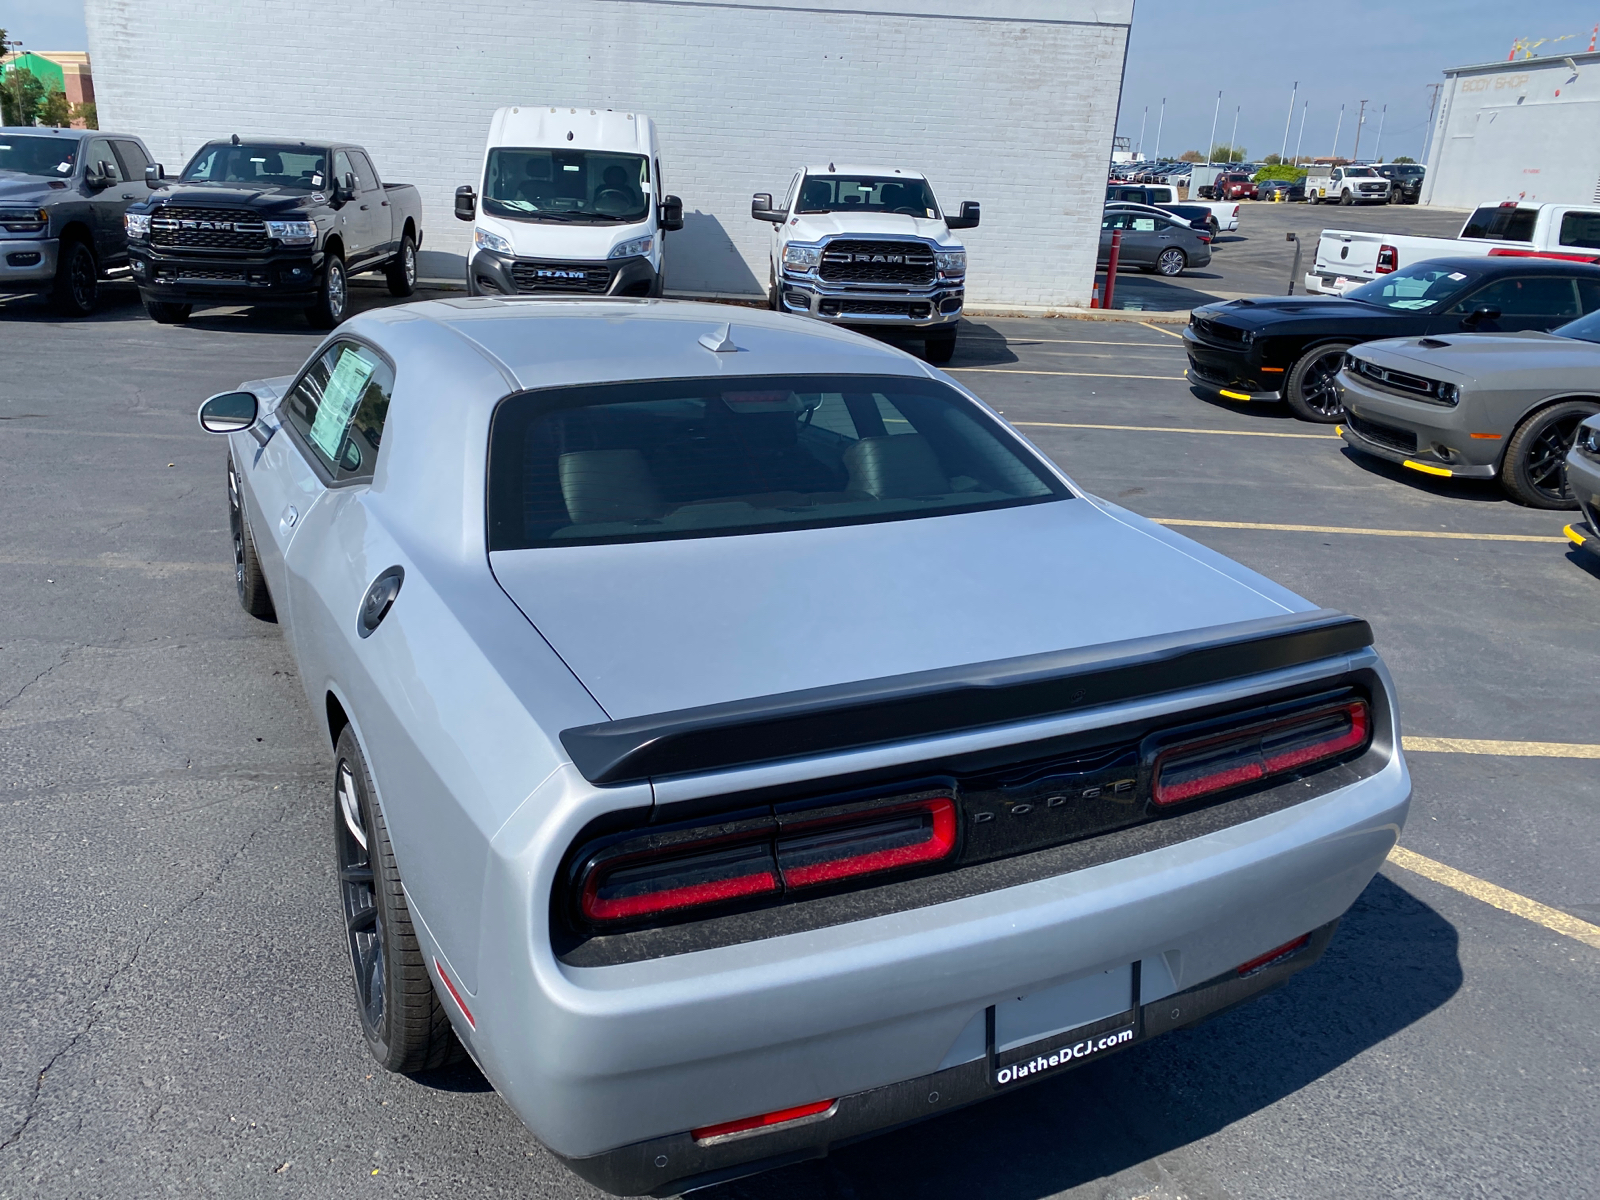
(485, 240)
(632, 249)
(801, 258)
(951, 262)
(137, 224)
(292, 233)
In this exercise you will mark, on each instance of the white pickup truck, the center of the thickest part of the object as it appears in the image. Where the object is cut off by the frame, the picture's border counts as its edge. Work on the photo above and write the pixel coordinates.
(1347, 258)
(1346, 185)
(1164, 194)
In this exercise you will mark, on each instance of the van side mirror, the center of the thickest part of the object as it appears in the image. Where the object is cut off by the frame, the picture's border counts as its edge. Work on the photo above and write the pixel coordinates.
(466, 204)
(968, 219)
(761, 208)
(228, 412)
(153, 175)
(671, 218)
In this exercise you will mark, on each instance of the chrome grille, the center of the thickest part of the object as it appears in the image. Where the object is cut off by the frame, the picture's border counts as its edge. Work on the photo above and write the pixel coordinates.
(207, 229)
(849, 260)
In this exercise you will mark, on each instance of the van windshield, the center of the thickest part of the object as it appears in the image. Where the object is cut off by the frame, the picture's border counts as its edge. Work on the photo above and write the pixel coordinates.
(863, 193)
(589, 187)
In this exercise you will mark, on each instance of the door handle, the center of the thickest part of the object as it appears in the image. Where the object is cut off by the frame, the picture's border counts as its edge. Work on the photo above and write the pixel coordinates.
(127, 195)
(291, 514)
(385, 203)
(364, 207)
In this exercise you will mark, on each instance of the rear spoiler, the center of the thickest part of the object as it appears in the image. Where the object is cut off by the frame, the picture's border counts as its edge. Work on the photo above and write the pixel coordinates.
(850, 716)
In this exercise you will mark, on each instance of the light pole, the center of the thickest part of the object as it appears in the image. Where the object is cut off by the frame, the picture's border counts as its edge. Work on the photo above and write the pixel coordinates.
(1337, 130)
(1210, 149)
(1139, 154)
(1377, 151)
(1233, 138)
(1433, 104)
(1160, 121)
(1361, 119)
(1288, 121)
(1301, 136)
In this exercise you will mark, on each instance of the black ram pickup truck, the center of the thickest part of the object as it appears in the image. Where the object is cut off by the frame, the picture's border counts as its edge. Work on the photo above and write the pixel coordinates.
(271, 222)
(62, 196)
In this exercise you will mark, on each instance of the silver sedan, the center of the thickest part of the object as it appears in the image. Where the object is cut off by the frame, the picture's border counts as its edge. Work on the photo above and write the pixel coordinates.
(745, 741)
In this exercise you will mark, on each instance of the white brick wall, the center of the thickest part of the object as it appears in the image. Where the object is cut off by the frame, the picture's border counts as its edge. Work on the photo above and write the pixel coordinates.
(1009, 102)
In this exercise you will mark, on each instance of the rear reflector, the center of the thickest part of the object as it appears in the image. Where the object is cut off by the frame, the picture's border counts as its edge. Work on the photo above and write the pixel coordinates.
(922, 832)
(1213, 764)
(683, 881)
(782, 1117)
(1271, 956)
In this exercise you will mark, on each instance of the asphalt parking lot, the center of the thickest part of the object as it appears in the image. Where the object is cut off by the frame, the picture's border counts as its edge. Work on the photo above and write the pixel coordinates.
(178, 1015)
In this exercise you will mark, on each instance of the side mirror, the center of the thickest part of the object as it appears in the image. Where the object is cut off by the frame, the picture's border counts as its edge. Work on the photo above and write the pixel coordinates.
(968, 219)
(466, 204)
(153, 175)
(761, 208)
(671, 214)
(1484, 312)
(228, 412)
(97, 177)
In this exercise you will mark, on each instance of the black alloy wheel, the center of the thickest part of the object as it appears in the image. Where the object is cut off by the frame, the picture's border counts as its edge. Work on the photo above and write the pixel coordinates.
(1535, 469)
(1312, 386)
(405, 1025)
(77, 283)
(247, 576)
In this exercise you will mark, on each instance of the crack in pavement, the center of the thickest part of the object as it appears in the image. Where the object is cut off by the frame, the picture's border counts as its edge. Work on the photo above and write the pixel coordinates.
(56, 666)
(34, 1102)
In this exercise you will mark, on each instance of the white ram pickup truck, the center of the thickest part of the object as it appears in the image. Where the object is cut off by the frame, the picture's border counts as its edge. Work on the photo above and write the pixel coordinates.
(1347, 258)
(868, 246)
(1346, 185)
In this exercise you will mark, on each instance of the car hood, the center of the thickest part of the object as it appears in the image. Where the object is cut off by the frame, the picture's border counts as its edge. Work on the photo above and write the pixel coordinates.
(264, 200)
(1476, 356)
(1263, 312)
(23, 188)
(658, 626)
(813, 227)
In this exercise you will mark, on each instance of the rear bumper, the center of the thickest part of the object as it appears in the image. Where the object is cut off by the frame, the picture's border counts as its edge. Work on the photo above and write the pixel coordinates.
(27, 264)
(669, 1165)
(288, 279)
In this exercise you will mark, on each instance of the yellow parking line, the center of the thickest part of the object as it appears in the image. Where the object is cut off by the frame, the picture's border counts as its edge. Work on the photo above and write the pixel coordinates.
(1433, 745)
(1158, 329)
(1074, 374)
(1552, 919)
(1022, 341)
(1412, 533)
(1319, 437)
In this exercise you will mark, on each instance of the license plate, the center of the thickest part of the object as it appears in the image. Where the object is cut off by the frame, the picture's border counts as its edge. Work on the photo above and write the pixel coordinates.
(1061, 1057)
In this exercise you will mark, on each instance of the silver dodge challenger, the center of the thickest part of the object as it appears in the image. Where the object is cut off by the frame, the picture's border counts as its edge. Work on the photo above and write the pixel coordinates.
(1478, 406)
(745, 741)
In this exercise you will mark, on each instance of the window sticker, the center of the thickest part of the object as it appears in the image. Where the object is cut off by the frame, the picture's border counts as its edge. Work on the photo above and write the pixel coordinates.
(339, 397)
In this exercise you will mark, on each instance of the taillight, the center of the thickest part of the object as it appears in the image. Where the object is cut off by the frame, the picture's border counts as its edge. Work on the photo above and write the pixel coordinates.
(783, 1116)
(679, 881)
(844, 848)
(1271, 957)
(1388, 259)
(1205, 239)
(1207, 765)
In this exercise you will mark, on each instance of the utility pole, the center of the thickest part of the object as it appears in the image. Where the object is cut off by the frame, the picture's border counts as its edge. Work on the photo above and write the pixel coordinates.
(1433, 102)
(1233, 138)
(1162, 120)
(1337, 130)
(1210, 149)
(1361, 119)
(1377, 151)
(1301, 136)
(1139, 153)
(1289, 120)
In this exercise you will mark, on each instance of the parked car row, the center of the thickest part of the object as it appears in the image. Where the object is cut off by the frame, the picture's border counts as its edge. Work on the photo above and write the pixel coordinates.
(1471, 368)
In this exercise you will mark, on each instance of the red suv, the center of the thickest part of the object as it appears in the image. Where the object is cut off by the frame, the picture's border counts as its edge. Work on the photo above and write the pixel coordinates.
(1235, 186)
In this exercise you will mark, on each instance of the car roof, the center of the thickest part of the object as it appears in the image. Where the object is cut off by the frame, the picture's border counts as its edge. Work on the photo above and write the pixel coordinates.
(51, 131)
(858, 169)
(544, 342)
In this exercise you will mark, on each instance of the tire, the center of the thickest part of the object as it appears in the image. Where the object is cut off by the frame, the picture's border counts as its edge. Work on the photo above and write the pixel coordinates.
(1535, 470)
(1310, 389)
(402, 272)
(247, 577)
(1171, 262)
(772, 293)
(164, 312)
(333, 298)
(1346, 200)
(405, 1025)
(76, 290)
(939, 347)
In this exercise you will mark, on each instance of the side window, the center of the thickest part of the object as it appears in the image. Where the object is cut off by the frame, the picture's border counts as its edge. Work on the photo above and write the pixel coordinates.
(131, 158)
(1145, 224)
(100, 152)
(1581, 229)
(343, 166)
(1535, 296)
(338, 409)
(366, 177)
(1589, 295)
(794, 190)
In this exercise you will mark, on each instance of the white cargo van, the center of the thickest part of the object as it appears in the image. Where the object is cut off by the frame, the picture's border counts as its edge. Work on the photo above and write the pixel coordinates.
(571, 202)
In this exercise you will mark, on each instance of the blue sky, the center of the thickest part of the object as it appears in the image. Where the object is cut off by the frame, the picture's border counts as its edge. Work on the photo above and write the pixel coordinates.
(1253, 51)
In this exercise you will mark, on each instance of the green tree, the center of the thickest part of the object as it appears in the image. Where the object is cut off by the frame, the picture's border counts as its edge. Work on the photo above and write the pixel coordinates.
(87, 113)
(21, 93)
(54, 110)
(1402, 158)
(1191, 156)
(1226, 154)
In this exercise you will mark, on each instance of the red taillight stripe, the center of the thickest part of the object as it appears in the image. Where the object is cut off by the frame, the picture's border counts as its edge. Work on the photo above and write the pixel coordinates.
(1239, 756)
(617, 908)
(455, 995)
(939, 843)
(781, 1117)
(1215, 782)
(1272, 956)
(1356, 734)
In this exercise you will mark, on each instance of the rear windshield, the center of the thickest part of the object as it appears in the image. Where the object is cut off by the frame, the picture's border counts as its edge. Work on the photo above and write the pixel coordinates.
(1501, 223)
(1416, 288)
(635, 462)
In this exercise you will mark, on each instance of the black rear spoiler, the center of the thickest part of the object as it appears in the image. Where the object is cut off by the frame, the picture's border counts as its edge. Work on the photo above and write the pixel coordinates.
(849, 716)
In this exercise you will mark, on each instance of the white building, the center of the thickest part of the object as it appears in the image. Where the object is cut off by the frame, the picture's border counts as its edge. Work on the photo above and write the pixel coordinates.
(1524, 130)
(1008, 102)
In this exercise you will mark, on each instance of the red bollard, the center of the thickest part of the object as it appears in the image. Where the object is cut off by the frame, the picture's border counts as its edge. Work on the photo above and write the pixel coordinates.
(1111, 269)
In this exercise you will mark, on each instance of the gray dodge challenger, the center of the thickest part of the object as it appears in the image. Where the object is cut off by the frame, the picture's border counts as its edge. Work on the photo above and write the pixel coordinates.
(745, 741)
(1583, 477)
(1478, 406)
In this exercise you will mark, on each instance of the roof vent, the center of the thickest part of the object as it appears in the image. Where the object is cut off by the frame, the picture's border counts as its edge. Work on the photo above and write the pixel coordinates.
(719, 341)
